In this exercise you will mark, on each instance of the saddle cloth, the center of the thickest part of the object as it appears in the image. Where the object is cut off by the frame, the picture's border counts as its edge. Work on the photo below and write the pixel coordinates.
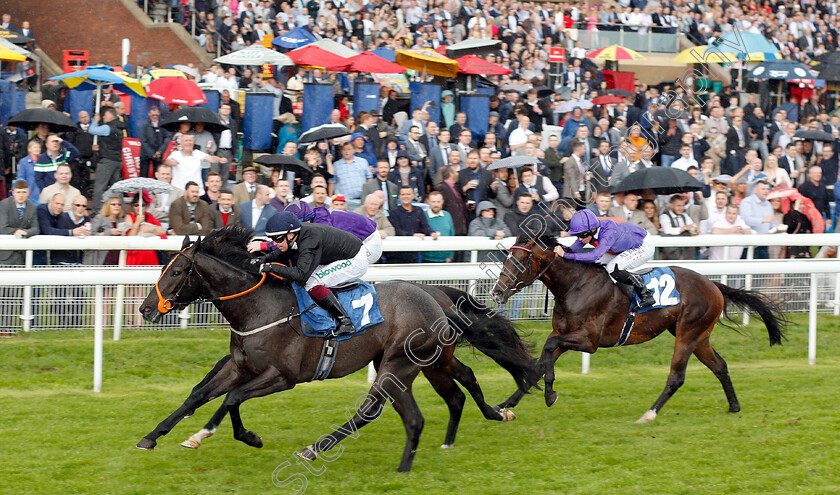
(662, 284)
(358, 300)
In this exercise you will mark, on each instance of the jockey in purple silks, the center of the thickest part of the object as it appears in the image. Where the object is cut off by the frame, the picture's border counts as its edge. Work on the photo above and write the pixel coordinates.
(353, 223)
(618, 247)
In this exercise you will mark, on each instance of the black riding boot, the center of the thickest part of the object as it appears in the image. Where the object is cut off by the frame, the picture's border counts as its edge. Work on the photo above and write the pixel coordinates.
(645, 297)
(334, 308)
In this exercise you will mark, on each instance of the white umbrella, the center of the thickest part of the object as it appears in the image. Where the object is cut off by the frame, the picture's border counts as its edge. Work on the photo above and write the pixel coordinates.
(135, 185)
(334, 47)
(186, 69)
(255, 55)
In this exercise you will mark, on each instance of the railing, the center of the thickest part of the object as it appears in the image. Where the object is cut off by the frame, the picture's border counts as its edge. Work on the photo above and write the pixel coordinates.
(628, 36)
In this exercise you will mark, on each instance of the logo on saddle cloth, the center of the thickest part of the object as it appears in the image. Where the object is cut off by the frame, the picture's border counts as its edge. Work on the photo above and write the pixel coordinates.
(360, 302)
(332, 269)
(663, 286)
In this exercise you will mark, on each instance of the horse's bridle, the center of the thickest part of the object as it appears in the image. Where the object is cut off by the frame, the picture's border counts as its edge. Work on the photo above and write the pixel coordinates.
(521, 284)
(166, 305)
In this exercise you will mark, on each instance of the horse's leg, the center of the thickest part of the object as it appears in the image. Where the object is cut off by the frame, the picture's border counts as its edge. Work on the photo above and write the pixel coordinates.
(707, 355)
(446, 387)
(679, 361)
(208, 377)
(550, 354)
(223, 380)
(208, 430)
(465, 376)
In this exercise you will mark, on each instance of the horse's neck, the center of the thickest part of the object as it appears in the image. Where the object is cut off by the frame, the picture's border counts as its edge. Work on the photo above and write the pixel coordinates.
(563, 276)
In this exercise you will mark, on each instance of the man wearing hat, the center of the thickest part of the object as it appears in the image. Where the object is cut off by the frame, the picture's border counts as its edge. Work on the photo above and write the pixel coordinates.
(362, 148)
(247, 189)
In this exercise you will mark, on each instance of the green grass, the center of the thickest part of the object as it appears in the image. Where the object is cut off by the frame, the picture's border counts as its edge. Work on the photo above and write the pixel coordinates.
(56, 436)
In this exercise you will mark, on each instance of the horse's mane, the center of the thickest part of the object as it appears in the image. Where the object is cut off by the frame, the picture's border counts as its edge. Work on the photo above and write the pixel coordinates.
(229, 245)
(547, 241)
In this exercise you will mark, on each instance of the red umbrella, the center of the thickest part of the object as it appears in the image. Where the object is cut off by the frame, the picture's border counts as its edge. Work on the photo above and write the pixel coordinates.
(441, 49)
(176, 90)
(607, 100)
(370, 62)
(470, 64)
(312, 56)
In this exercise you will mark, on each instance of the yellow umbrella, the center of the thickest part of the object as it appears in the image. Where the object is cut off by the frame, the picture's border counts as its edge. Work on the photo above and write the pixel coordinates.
(615, 53)
(705, 55)
(10, 56)
(428, 61)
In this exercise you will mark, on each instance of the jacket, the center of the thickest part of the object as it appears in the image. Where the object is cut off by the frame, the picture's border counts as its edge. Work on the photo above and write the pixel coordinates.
(153, 139)
(316, 245)
(247, 220)
(11, 222)
(179, 218)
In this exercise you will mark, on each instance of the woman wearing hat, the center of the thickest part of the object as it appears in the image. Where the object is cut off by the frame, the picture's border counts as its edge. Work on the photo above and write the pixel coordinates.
(288, 131)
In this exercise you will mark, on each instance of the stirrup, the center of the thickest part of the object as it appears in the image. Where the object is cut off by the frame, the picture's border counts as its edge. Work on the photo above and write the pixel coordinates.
(343, 329)
(646, 300)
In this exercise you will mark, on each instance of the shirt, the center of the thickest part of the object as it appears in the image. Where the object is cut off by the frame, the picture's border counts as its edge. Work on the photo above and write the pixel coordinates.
(256, 211)
(188, 169)
(350, 177)
(753, 210)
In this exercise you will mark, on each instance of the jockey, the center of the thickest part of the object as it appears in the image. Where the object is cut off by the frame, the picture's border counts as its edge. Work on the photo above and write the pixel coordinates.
(318, 257)
(358, 225)
(618, 246)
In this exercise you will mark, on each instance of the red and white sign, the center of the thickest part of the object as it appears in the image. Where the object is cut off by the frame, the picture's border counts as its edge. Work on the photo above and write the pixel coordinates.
(557, 55)
(130, 158)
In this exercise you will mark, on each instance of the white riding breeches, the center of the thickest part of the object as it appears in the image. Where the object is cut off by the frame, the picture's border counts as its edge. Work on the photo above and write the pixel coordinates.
(339, 272)
(630, 259)
(373, 245)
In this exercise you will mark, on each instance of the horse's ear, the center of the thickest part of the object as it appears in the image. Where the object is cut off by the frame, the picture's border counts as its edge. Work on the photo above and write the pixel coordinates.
(186, 243)
(197, 244)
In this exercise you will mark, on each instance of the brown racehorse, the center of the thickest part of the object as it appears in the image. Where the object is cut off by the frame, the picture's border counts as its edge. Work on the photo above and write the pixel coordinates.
(590, 311)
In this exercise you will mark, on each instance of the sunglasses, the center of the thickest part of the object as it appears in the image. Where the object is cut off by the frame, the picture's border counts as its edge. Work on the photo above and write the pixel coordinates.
(79, 205)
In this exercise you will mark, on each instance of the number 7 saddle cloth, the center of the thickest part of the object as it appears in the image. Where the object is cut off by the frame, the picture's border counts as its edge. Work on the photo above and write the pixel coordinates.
(359, 301)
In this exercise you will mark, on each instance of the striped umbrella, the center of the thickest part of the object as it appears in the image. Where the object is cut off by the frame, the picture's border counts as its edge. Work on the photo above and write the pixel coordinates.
(615, 53)
(705, 55)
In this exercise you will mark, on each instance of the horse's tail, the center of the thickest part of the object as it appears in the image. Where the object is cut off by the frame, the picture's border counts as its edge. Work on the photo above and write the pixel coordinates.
(494, 335)
(770, 313)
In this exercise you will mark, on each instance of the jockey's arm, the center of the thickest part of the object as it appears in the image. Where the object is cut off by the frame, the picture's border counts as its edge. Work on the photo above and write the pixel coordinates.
(605, 242)
(307, 261)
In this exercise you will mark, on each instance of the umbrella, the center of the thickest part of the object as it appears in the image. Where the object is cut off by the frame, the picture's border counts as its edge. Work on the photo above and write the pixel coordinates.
(583, 104)
(705, 55)
(176, 90)
(30, 118)
(748, 46)
(295, 38)
(323, 132)
(519, 88)
(608, 100)
(284, 162)
(428, 61)
(313, 57)
(10, 56)
(780, 69)
(513, 162)
(544, 92)
(137, 184)
(620, 92)
(671, 113)
(255, 55)
(335, 48)
(14, 37)
(470, 64)
(386, 53)
(369, 62)
(209, 118)
(187, 70)
(814, 135)
(472, 46)
(663, 180)
(829, 71)
(615, 53)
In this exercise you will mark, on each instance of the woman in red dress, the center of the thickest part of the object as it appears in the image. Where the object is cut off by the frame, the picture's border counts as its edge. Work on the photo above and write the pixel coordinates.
(146, 225)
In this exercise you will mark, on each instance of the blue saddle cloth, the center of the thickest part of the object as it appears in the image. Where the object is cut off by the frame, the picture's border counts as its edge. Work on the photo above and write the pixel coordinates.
(663, 285)
(360, 303)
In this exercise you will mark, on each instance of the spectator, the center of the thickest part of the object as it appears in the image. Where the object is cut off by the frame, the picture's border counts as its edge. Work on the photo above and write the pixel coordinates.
(718, 211)
(247, 189)
(18, 217)
(758, 213)
(440, 221)
(381, 183)
(729, 223)
(797, 222)
(143, 224)
(108, 222)
(26, 168)
(574, 173)
(487, 225)
(750, 174)
(649, 209)
(58, 152)
(228, 141)
(319, 196)
(153, 142)
(224, 211)
(282, 195)
(339, 202)
(465, 144)
(519, 136)
(528, 187)
(406, 174)
(62, 175)
(816, 191)
(187, 163)
(188, 215)
(676, 222)
(212, 186)
(409, 221)
(109, 167)
(776, 176)
(603, 204)
(255, 213)
(439, 155)
(629, 211)
(163, 201)
(474, 183)
(524, 219)
(453, 202)
(686, 159)
(351, 173)
(87, 159)
(372, 208)
(828, 162)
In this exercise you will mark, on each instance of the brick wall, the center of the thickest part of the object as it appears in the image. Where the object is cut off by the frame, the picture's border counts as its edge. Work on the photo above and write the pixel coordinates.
(99, 27)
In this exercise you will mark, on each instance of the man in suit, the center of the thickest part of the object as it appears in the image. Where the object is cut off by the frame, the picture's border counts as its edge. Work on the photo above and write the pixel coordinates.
(459, 125)
(415, 149)
(227, 141)
(736, 146)
(381, 183)
(630, 212)
(573, 172)
(453, 201)
(247, 189)
(439, 155)
(430, 138)
(189, 215)
(601, 207)
(163, 201)
(474, 181)
(601, 166)
(224, 211)
(829, 164)
(153, 141)
(18, 217)
(255, 213)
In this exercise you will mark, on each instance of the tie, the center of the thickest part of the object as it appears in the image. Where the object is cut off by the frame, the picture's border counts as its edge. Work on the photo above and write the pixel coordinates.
(432, 142)
(384, 185)
(20, 212)
(606, 165)
(252, 192)
(629, 215)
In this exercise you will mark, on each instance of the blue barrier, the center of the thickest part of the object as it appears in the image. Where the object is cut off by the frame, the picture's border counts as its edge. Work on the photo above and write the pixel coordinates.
(318, 102)
(77, 100)
(365, 97)
(257, 121)
(423, 92)
(477, 108)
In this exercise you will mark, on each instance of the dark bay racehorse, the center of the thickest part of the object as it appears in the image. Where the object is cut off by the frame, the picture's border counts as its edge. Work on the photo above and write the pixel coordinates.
(269, 354)
(590, 310)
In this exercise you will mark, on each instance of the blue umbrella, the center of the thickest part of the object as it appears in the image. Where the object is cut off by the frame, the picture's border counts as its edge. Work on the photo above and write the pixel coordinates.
(747, 46)
(780, 69)
(295, 38)
(386, 53)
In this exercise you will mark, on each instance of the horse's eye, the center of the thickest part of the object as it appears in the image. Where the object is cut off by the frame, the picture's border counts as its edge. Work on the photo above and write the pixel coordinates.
(175, 273)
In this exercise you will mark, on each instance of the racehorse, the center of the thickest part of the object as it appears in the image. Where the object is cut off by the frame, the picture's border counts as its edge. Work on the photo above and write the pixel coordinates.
(590, 312)
(269, 353)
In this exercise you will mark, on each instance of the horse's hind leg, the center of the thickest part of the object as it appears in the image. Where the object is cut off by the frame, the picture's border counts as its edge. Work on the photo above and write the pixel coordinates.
(208, 430)
(465, 376)
(707, 355)
(223, 379)
(446, 387)
(682, 352)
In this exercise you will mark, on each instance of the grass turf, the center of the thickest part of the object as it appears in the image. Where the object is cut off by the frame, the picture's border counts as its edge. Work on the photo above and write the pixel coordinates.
(59, 437)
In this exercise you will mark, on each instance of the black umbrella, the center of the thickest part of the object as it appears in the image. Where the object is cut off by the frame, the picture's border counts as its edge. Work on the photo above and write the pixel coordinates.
(323, 132)
(14, 37)
(620, 92)
(829, 71)
(663, 180)
(209, 118)
(814, 135)
(284, 162)
(543, 91)
(30, 118)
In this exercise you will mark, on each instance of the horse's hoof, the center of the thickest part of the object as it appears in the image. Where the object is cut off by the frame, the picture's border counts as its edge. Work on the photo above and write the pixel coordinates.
(550, 397)
(735, 409)
(507, 414)
(252, 439)
(307, 453)
(191, 444)
(447, 446)
(647, 417)
(146, 444)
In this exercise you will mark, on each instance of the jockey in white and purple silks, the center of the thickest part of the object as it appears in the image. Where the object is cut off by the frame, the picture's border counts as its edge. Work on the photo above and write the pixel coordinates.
(353, 223)
(618, 247)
